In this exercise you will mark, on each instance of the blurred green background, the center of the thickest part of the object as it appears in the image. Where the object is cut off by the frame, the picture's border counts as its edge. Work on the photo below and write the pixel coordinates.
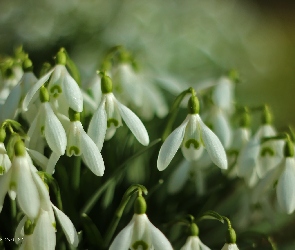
(193, 40)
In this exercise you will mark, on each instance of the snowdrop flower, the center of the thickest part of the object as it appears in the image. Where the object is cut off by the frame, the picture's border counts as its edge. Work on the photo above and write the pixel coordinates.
(193, 242)
(19, 183)
(139, 91)
(230, 247)
(48, 124)
(40, 233)
(62, 87)
(19, 91)
(223, 94)
(108, 117)
(194, 136)
(79, 143)
(241, 136)
(140, 233)
(257, 158)
(10, 79)
(286, 183)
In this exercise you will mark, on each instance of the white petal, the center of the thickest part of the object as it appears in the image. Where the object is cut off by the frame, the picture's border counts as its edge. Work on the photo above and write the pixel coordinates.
(34, 89)
(4, 186)
(19, 232)
(74, 130)
(123, 239)
(192, 132)
(230, 247)
(12, 102)
(248, 158)
(91, 155)
(53, 159)
(27, 193)
(67, 226)
(188, 244)
(134, 124)
(222, 128)
(28, 243)
(286, 187)
(44, 233)
(54, 132)
(171, 145)
(159, 240)
(179, 177)
(72, 93)
(223, 94)
(98, 125)
(213, 146)
(39, 158)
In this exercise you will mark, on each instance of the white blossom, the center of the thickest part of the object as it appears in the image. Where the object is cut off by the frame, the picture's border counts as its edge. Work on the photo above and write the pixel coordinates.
(108, 117)
(140, 233)
(230, 247)
(194, 243)
(194, 136)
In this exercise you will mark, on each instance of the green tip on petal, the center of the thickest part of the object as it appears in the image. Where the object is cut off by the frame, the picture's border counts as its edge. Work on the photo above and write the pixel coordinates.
(140, 205)
(231, 236)
(61, 57)
(194, 230)
(19, 148)
(74, 115)
(193, 105)
(43, 94)
(27, 65)
(8, 72)
(106, 84)
(140, 244)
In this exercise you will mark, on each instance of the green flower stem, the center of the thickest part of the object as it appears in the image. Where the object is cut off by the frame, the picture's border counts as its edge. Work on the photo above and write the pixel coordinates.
(115, 221)
(76, 172)
(91, 202)
(13, 209)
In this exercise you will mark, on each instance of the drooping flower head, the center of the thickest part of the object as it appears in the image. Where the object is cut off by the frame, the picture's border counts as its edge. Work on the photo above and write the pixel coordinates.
(140, 233)
(108, 117)
(193, 136)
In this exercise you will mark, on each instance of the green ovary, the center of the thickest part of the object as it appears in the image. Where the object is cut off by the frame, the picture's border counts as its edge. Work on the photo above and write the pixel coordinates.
(74, 150)
(195, 143)
(55, 91)
(114, 121)
(267, 151)
(141, 243)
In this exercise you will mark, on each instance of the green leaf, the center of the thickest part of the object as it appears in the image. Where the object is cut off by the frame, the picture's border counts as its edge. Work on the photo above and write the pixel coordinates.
(211, 215)
(94, 198)
(91, 232)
